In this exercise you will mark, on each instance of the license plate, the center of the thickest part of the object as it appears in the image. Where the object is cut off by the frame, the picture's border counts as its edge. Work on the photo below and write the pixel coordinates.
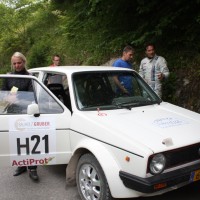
(195, 176)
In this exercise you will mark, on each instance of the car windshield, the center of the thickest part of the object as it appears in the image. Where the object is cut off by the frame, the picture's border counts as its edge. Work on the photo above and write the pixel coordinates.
(100, 90)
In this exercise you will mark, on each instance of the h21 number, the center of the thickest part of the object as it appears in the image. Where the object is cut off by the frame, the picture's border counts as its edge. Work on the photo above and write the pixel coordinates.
(37, 139)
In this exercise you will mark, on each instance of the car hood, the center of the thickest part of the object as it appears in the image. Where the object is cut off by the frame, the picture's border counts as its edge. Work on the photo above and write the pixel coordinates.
(156, 127)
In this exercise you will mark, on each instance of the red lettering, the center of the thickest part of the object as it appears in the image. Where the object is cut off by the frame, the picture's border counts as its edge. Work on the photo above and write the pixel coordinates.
(31, 161)
(14, 163)
(41, 124)
(41, 162)
(20, 163)
(36, 162)
(46, 161)
(25, 162)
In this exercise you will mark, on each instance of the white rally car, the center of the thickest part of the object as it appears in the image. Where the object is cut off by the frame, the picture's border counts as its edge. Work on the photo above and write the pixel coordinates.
(115, 144)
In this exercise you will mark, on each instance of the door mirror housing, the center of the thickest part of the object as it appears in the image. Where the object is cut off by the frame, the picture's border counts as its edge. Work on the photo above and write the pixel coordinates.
(33, 109)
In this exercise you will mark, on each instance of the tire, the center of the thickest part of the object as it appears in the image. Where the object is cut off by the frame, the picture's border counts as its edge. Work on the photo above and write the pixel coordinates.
(91, 181)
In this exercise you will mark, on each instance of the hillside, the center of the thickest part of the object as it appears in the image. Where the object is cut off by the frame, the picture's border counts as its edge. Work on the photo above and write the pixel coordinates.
(89, 32)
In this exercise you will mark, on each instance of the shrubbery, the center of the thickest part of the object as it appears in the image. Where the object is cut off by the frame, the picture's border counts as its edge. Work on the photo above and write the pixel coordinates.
(89, 32)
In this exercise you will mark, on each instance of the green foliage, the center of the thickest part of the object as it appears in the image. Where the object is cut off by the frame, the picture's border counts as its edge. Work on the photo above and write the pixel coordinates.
(90, 32)
(170, 88)
(38, 55)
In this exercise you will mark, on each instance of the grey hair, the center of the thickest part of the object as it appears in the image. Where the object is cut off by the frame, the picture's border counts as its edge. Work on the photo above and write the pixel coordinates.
(21, 56)
(128, 48)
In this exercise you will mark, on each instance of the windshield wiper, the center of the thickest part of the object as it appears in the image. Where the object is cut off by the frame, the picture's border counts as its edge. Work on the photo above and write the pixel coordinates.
(126, 105)
(130, 105)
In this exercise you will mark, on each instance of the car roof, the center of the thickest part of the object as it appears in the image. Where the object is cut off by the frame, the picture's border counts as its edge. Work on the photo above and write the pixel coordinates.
(72, 69)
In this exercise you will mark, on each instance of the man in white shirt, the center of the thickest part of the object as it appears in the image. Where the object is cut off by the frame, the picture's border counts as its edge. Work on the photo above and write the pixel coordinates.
(153, 69)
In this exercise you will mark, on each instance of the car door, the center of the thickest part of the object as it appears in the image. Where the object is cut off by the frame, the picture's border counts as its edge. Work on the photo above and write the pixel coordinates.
(40, 138)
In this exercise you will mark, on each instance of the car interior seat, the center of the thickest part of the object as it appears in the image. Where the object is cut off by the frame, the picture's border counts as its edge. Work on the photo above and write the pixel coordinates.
(58, 90)
(98, 90)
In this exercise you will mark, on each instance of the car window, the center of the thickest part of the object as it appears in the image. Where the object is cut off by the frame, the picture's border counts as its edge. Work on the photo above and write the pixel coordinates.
(15, 97)
(99, 90)
(36, 74)
(52, 78)
(58, 84)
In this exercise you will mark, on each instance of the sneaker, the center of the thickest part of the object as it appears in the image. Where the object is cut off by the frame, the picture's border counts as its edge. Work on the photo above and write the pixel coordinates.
(33, 174)
(19, 171)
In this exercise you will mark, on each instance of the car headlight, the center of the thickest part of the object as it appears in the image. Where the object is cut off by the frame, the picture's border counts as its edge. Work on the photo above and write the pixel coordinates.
(157, 164)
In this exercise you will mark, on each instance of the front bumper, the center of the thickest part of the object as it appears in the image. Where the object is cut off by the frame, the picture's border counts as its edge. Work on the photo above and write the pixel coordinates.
(160, 181)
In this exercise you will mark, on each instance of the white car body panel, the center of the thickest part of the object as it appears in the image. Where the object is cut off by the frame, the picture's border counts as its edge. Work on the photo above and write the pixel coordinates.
(122, 140)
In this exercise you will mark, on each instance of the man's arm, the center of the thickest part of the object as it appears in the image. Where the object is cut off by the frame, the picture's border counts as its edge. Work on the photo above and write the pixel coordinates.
(163, 69)
(119, 85)
(141, 71)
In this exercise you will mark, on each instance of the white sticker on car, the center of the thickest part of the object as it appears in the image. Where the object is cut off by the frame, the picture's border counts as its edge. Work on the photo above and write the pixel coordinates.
(32, 141)
(169, 122)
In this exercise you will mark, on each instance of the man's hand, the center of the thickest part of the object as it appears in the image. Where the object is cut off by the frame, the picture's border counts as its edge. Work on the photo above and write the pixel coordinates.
(124, 90)
(160, 76)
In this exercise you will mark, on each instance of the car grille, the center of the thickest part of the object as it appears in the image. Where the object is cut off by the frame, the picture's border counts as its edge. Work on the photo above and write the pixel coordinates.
(181, 156)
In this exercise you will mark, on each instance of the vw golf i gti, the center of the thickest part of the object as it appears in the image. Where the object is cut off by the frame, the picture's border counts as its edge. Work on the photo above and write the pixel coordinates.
(115, 144)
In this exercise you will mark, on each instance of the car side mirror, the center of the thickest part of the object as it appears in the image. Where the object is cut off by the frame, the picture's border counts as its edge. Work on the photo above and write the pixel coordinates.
(33, 109)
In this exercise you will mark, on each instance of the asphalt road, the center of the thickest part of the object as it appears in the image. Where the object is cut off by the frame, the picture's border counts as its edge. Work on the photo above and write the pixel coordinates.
(51, 186)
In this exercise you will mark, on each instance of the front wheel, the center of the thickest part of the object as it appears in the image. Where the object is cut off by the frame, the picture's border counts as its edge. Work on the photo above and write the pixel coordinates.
(91, 181)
